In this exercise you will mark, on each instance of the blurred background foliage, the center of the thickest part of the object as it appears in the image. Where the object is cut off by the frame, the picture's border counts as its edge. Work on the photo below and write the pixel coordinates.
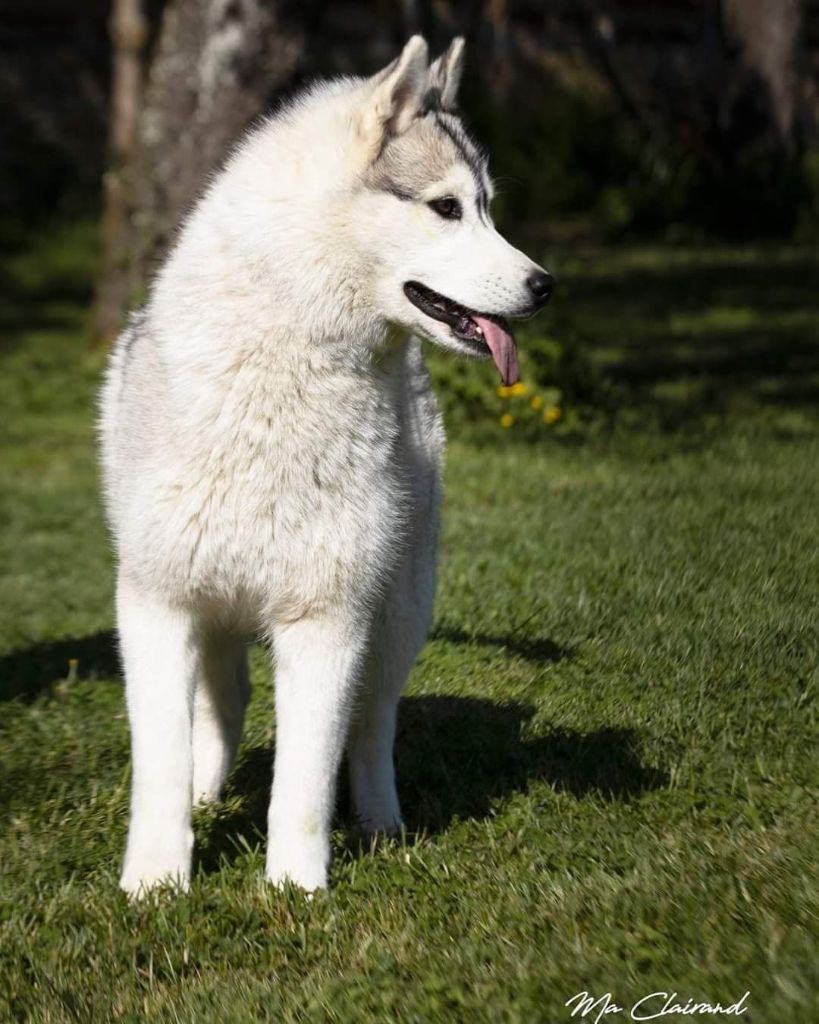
(679, 123)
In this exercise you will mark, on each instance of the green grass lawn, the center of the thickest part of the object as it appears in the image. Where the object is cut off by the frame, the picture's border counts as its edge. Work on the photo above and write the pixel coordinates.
(607, 754)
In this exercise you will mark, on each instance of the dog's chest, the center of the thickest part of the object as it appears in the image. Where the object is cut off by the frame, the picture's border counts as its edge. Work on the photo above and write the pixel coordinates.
(295, 497)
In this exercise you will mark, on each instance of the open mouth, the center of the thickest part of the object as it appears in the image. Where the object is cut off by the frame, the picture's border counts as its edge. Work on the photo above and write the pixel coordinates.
(485, 334)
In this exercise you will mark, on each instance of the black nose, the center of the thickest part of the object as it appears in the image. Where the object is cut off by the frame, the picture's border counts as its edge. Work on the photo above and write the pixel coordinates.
(540, 285)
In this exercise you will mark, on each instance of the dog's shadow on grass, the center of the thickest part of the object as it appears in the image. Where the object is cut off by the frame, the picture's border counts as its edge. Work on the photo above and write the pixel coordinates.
(541, 650)
(455, 757)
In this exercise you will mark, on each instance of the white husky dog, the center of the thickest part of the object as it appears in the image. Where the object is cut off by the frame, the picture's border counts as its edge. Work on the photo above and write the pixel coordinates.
(272, 452)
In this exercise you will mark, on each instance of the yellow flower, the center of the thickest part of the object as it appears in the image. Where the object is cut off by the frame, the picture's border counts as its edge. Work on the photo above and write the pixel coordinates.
(519, 389)
(504, 391)
(507, 420)
(552, 414)
(536, 401)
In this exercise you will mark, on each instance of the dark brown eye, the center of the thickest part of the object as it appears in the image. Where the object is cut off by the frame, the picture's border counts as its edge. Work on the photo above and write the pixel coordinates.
(449, 208)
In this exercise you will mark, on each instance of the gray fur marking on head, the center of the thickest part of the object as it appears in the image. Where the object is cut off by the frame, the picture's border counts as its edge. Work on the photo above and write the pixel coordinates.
(425, 153)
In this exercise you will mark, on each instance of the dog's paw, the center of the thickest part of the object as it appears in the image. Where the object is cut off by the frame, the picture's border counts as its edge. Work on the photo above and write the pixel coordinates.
(379, 814)
(148, 868)
(140, 883)
(380, 821)
(304, 865)
(374, 796)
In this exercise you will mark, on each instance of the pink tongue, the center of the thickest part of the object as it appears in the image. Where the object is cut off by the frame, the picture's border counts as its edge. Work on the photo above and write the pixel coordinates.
(502, 346)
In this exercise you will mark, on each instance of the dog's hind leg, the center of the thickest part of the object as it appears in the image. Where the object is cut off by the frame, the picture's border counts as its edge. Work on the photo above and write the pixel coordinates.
(401, 628)
(220, 698)
(398, 637)
(161, 651)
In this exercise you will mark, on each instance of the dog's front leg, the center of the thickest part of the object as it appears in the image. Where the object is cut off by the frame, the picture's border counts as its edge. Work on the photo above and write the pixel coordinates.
(317, 667)
(161, 655)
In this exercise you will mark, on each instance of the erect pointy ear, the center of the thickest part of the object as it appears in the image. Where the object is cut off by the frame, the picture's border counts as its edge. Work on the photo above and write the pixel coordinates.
(397, 95)
(444, 77)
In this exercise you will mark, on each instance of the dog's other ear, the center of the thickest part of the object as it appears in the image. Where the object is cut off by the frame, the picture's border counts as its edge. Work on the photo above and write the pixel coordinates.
(398, 93)
(444, 77)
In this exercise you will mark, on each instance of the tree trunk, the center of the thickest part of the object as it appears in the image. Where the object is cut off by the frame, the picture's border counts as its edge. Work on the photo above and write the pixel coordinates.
(768, 32)
(214, 66)
(129, 33)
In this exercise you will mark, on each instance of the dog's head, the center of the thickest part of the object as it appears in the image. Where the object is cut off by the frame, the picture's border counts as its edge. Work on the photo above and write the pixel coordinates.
(442, 270)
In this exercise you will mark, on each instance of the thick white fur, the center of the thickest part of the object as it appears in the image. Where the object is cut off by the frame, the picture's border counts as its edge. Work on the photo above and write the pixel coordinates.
(272, 453)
